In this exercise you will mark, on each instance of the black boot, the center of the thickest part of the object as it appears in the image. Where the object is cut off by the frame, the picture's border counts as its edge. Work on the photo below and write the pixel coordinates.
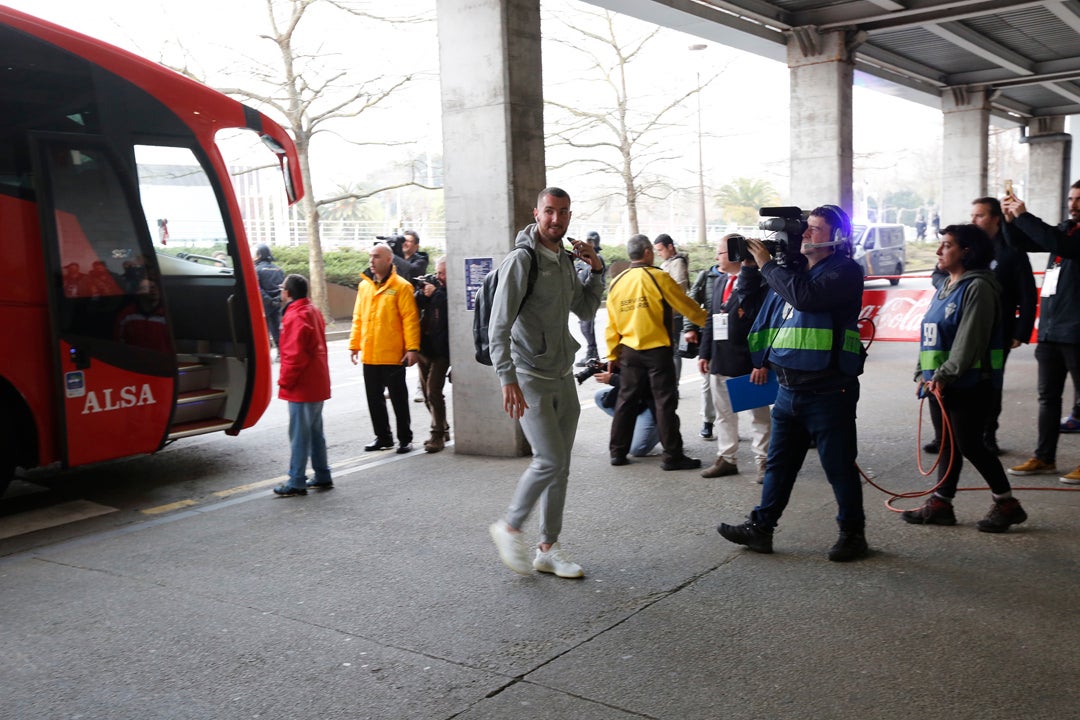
(751, 535)
(851, 545)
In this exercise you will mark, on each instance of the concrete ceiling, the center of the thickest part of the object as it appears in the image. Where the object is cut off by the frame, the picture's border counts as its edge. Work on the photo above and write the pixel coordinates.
(1027, 53)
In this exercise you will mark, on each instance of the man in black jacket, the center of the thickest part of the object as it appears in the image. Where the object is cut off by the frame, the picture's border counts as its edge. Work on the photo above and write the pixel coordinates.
(737, 296)
(270, 278)
(410, 251)
(1058, 351)
(1018, 295)
(434, 354)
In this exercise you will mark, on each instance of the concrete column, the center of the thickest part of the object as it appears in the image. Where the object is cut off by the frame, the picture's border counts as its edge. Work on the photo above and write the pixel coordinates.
(964, 155)
(821, 74)
(1049, 159)
(494, 166)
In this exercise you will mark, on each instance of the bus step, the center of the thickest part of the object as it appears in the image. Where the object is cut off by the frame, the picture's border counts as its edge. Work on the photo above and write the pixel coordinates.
(199, 405)
(192, 376)
(199, 427)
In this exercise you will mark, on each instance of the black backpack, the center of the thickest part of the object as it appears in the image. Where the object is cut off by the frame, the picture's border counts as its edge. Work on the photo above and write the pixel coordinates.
(482, 306)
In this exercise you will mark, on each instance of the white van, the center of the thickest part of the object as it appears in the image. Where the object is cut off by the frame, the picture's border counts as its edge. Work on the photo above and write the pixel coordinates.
(879, 249)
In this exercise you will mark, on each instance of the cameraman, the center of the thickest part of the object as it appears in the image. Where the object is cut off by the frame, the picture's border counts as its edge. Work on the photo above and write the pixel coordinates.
(434, 359)
(806, 332)
(410, 252)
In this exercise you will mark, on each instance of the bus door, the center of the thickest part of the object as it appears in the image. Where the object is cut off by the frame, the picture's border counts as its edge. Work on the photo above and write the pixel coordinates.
(114, 360)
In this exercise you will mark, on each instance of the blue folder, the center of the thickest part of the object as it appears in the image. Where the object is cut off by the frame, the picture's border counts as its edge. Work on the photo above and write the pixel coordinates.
(746, 395)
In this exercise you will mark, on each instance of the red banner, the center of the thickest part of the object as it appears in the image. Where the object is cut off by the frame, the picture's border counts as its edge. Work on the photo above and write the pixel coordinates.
(893, 314)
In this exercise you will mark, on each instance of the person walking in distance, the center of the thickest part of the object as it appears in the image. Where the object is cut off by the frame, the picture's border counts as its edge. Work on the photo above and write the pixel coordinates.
(640, 304)
(434, 354)
(304, 381)
(533, 354)
(806, 333)
(386, 337)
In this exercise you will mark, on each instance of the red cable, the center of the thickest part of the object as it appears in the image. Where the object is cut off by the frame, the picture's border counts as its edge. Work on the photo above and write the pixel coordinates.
(946, 437)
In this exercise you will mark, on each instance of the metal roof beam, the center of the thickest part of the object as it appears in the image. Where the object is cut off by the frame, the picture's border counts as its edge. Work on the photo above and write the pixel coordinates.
(937, 13)
(976, 44)
(1065, 90)
(1052, 70)
(1067, 12)
(901, 64)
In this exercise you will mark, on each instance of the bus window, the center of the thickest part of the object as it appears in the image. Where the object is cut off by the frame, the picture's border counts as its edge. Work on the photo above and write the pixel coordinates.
(101, 261)
(181, 210)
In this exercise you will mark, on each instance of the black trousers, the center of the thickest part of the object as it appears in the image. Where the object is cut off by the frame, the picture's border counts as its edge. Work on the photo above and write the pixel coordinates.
(1056, 362)
(967, 409)
(388, 377)
(644, 371)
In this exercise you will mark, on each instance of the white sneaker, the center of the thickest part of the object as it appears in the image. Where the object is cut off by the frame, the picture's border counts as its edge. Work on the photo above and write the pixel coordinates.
(556, 561)
(511, 547)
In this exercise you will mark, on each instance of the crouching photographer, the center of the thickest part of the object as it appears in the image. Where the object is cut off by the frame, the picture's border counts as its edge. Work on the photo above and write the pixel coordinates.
(806, 332)
(646, 437)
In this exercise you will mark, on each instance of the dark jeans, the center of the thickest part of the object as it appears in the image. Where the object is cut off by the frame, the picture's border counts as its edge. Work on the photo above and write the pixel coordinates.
(388, 377)
(967, 409)
(828, 418)
(1056, 362)
(588, 329)
(273, 321)
(994, 411)
(642, 371)
(432, 381)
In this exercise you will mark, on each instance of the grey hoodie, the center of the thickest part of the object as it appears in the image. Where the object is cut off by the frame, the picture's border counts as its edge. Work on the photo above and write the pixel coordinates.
(537, 340)
(981, 311)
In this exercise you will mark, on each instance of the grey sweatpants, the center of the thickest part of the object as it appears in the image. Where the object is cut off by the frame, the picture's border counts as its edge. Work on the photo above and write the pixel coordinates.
(549, 424)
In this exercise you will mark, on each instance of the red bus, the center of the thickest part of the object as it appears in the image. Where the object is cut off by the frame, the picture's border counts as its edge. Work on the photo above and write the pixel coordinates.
(111, 346)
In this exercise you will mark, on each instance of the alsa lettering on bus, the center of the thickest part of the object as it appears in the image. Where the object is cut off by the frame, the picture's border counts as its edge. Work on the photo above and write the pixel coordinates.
(127, 397)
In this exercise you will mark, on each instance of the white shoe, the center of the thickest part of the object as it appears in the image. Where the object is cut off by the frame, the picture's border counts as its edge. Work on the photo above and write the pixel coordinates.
(556, 561)
(511, 547)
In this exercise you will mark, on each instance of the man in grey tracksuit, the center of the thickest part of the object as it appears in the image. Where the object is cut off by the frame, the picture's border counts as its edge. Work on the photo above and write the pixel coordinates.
(533, 353)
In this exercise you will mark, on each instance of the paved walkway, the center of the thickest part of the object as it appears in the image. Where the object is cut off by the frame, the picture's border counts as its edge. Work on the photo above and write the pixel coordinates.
(384, 598)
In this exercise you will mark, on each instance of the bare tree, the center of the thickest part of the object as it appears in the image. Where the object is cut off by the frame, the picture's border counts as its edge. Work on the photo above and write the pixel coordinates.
(620, 135)
(313, 97)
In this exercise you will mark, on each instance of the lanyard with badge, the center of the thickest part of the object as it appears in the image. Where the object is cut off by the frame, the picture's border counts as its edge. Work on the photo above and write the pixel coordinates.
(720, 319)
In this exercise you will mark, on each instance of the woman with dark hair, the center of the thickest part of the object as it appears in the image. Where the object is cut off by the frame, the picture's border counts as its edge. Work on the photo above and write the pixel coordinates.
(961, 358)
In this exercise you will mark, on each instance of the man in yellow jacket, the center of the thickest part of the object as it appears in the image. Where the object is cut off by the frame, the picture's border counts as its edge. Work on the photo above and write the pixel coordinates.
(640, 303)
(386, 334)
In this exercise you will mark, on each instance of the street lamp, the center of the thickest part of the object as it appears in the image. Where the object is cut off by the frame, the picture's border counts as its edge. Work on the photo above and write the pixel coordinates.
(702, 239)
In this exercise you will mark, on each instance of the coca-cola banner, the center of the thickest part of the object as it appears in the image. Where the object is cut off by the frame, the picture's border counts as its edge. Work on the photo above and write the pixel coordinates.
(897, 314)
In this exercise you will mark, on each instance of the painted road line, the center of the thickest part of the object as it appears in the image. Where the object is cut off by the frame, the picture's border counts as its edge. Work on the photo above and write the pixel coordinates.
(168, 507)
(61, 514)
(250, 486)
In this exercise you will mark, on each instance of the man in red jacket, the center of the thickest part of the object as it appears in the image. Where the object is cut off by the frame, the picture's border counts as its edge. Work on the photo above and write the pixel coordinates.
(304, 381)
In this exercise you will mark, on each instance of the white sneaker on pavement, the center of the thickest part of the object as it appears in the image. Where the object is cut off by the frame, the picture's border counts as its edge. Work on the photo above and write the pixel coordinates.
(511, 547)
(558, 562)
